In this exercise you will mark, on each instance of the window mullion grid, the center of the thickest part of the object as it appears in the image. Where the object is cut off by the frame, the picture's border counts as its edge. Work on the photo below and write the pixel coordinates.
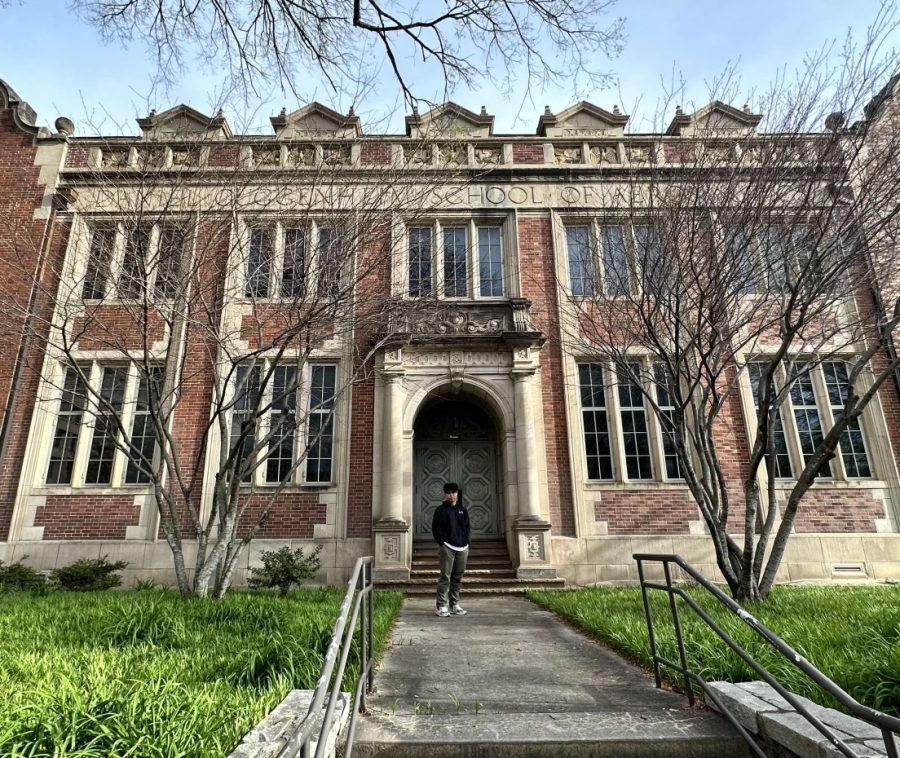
(127, 416)
(314, 252)
(473, 275)
(614, 419)
(152, 261)
(596, 243)
(838, 471)
(846, 446)
(277, 264)
(794, 437)
(62, 371)
(437, 260)
(94, 376)
(301, 434)
(655, 427)
(264, 422)
(789, 423)
(116, 261)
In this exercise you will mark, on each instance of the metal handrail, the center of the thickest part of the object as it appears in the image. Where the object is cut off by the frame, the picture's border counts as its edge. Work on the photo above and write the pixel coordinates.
(360, 594)
(887, 724)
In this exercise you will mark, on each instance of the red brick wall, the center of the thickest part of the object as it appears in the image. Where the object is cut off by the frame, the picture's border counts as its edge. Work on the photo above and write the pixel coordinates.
(87, 517)
(646, 511)
(77, 156)
(372, 290)
(21, 239)
(223, 155)
(838, 511)
(375, 154)
(528, 153)
(539, 285)
(292, 515)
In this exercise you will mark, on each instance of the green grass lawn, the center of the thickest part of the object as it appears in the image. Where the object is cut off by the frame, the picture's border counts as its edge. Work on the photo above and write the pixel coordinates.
(852, 634)
(153, 674)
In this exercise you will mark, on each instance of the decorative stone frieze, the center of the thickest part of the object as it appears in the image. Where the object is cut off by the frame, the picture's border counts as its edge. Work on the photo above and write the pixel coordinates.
(453, 155)
(488, 156)
(566, 156)
(603, 155)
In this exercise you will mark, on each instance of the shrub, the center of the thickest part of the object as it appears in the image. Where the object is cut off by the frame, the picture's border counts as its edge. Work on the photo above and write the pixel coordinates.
(89, 574)
(284, 568)
(17, 576)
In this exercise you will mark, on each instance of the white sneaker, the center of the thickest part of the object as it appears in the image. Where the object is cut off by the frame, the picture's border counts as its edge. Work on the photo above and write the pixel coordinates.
(443, 611)
(458, 610)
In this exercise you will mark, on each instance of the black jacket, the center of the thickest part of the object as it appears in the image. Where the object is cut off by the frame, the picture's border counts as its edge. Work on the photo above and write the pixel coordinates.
(451, 524)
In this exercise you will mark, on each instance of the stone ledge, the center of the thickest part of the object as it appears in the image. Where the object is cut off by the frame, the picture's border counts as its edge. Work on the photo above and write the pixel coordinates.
(763, 712)
(269, 736)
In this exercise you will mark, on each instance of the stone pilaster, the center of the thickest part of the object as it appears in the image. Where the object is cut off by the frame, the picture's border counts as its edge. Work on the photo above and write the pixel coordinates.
(391, 530)
(531, 528)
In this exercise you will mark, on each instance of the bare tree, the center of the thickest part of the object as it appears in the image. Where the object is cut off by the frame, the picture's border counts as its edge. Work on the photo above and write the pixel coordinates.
(191, 317)
(746, 251)
(533, 41)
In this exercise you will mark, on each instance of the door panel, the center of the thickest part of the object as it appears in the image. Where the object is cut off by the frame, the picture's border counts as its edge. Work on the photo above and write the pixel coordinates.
(472, 466)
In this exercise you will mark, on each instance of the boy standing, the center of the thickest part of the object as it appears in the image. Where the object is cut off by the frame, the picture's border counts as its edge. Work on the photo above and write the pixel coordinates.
(451, 530)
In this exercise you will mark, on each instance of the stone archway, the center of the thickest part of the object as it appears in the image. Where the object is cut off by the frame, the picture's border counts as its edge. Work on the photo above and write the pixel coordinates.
(456, 440)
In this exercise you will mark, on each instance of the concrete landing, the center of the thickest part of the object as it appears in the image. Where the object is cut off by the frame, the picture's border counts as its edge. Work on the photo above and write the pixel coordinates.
(509, 679)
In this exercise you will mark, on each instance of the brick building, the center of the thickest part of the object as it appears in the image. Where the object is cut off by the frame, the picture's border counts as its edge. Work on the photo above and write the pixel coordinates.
(483, 388)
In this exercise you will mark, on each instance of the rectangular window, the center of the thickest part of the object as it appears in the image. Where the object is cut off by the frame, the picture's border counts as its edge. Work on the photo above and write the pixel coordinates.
(68, 426)
(783, 468)
(259, 262)
(852, 445)
(616, 272)
(490, 261)
(320, 424)
(330, 263)
(776, 259)
(581, 261)
(243, 420)
(597, 449)
(168, 262)
(420, 261)
(669, 421)
(283, 424)
(740, 261)
(106, 431)
(806, 414)
(143, 432)
(634, 430)
(456, 251)
(99, 259)
(648, 249)
(293, 269)
(133, 278)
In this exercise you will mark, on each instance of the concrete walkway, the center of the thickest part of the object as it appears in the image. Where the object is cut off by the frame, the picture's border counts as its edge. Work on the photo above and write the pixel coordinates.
(511, 679)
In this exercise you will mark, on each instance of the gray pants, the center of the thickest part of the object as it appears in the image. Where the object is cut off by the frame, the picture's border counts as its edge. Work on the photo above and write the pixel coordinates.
(453, 564)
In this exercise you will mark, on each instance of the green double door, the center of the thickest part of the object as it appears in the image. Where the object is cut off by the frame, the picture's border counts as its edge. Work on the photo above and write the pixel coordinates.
(469, 463)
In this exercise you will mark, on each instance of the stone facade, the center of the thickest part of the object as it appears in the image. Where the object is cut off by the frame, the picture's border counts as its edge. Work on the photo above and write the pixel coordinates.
(505, 354)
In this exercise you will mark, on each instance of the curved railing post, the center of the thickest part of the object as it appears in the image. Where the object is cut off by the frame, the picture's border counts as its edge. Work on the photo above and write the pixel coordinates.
(888, 725)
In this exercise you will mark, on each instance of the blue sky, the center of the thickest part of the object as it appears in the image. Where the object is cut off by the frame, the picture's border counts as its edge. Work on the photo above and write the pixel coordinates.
(61, 66)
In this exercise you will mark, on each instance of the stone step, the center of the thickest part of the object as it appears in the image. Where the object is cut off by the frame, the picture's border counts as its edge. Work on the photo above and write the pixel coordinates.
(640, 734)
(480, 563)
(424, 573)
(433, 554)
(476, 581)
(501, 589)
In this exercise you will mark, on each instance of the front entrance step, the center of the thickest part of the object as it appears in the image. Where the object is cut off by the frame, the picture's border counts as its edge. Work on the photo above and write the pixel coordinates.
(489, 571)
(640, 734)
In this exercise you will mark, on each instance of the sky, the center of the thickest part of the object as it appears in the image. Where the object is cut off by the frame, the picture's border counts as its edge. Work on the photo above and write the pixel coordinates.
(61, 66)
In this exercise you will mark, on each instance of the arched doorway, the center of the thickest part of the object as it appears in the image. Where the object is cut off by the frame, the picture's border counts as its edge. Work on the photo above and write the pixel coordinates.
(455, 440)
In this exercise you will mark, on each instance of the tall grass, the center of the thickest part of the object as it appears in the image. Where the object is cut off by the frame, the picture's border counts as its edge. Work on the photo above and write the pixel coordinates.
(154, 674)
(852, 634)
